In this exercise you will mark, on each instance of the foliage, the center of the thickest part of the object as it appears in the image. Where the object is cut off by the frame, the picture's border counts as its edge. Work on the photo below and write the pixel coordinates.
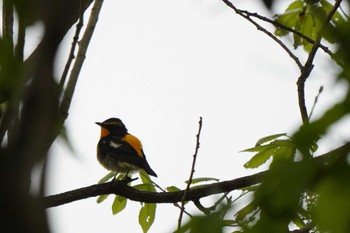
(299, 190)
(308, 18)
(148, 210)
(268, 147)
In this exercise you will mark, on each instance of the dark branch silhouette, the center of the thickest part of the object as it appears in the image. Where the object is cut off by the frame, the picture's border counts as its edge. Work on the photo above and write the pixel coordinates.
(120, 187)
(182, 208)
(306, 71)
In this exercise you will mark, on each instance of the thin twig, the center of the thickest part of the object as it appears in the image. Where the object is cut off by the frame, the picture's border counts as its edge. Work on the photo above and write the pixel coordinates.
(180, 207)
(208, 210)
(269, 34)
(284, 27)
(183, 200)
(315, 102)
(83, 46)
(305, 73)
(72, 50)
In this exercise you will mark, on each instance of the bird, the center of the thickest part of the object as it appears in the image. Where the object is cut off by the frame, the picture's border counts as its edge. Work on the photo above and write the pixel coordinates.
(119, 151)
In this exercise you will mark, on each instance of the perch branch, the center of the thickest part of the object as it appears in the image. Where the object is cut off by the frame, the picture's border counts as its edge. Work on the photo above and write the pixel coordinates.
(120, 188)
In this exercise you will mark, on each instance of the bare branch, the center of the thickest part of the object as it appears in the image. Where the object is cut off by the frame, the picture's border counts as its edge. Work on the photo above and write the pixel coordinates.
(284, 27)
(7, 19)
(72, 50)
(269, 34)
(305, 73)
(83, 46)
(315, 101)
(191, 174)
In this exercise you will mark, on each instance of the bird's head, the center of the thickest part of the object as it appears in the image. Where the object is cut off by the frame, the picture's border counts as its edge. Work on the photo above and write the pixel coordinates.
(112, 126)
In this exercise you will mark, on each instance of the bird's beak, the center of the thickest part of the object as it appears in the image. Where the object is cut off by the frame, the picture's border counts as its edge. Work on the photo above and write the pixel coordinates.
(99, 123)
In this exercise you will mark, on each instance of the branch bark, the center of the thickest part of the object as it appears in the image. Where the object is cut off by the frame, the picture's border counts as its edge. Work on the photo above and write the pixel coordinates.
(120, 188)
(182, 209)
(83, 46)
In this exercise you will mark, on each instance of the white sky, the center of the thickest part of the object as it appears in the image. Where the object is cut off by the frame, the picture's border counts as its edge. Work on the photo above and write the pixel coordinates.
(159, 65)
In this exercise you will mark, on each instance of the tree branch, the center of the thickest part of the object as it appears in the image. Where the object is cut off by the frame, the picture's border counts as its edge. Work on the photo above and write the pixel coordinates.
(70, 17)
(269, 34)
(284, 27)
(191, 174)
(71, 56)
(83, 46)
(120, 188)
(305, 73)
(7, 20)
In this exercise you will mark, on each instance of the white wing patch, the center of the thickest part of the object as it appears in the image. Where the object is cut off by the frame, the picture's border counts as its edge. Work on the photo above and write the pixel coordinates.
(114, 145)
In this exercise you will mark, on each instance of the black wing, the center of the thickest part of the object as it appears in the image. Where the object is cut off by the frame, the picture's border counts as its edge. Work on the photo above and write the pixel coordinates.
(113, 149)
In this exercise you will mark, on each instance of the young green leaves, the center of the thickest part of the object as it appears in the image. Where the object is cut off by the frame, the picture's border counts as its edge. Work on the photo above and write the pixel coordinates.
(308, 18)
(270, 147)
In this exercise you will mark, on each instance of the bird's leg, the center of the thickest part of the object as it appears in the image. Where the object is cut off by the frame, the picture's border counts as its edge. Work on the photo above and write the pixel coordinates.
(128, 178)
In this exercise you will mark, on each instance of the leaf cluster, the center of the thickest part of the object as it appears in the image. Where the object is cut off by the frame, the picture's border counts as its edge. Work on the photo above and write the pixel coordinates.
(308, 18)
(299, 193)
(147, 211)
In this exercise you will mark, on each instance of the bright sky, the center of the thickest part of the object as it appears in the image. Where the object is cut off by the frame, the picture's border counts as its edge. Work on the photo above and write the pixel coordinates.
(159, 65)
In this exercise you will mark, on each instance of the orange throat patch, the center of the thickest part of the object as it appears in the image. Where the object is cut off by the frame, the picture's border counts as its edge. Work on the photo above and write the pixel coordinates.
(104, 132)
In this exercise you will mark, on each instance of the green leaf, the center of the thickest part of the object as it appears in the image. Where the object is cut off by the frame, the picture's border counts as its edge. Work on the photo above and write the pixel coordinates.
(285, 152)
(172, 189)
(266, 151)
(259, 148)
(101, 198)
(145, 177)
(332, 213)
(269, 138)
(119, 204)
(279, 143)
(245, 211)
(147, 216)
(296, 5)
(202, 179)
(106, 177)
(290, 17)
(260, 158)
